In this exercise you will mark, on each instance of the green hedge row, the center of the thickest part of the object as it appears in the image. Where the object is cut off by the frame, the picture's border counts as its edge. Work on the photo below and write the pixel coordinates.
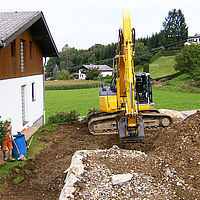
(72, 86)
(171, 76)
(163, 53)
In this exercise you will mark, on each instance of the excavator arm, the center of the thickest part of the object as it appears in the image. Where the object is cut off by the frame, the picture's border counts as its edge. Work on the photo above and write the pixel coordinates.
(129, 125)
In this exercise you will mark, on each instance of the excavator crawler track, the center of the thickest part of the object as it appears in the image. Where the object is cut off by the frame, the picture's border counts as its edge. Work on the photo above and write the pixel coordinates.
(100, 123)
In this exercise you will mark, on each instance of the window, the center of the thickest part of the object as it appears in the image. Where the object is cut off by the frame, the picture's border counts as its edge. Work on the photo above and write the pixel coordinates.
(23, 54)
(13, 49)
(30, 49)
(23, 104)
(33, 92)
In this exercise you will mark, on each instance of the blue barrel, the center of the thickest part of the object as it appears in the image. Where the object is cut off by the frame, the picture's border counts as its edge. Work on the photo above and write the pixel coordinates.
(21, 144)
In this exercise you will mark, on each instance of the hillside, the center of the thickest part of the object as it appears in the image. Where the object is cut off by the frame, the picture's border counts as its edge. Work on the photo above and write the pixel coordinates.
(160, 67)
(163, 66)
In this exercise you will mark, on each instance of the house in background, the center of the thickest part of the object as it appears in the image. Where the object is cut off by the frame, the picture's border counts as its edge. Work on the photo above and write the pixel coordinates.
(24, 40)
(193, 39)
(105, 70)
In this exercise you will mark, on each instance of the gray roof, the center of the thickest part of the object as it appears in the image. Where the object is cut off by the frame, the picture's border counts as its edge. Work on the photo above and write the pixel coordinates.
(100, 67)
(12, 24)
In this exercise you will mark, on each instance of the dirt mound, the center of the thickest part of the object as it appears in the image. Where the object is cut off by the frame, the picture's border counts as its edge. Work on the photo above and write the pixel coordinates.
(159, 83)
(172, 162)
(178, 148)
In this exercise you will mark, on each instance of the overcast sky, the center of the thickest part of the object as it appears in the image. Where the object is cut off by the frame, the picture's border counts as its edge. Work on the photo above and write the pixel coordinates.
(83, 23)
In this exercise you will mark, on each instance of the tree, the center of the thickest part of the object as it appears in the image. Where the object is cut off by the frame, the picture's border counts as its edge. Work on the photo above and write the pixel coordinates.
(62, 75)
(67, 58)
(52, 62)
(92, 59)
(142, 54)
(92, 73)
(174, 27)
(188, 61)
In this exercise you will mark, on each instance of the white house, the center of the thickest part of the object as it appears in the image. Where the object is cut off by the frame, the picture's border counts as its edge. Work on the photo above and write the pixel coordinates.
(193, 39)
(25, 40)
(105, 70)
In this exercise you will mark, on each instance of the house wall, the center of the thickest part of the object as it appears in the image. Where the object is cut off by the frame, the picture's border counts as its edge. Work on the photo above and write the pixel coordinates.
(81, 75)
(107, 73)
(195, 40)
(10, 63)
(11, 101)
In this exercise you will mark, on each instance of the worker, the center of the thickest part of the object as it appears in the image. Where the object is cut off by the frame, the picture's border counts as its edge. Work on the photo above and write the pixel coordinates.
(7, 143)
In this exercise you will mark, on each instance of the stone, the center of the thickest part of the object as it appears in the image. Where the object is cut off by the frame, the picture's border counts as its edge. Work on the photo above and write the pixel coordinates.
(121, 178)
(168, 173)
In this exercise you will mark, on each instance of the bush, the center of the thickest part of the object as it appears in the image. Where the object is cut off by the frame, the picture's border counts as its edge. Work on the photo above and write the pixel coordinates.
(62, 117)
(92, 73)
(62, 75)
(170, 53)
(188, 61)
(146, 67)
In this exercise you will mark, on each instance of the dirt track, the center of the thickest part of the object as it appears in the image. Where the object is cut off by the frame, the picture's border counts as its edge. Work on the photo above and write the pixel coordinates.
(176, 148)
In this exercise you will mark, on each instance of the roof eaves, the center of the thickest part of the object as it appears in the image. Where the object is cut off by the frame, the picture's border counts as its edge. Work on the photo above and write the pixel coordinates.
(49, 33)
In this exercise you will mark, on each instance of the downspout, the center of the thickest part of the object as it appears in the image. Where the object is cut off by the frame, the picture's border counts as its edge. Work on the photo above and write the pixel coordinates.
(45, 59)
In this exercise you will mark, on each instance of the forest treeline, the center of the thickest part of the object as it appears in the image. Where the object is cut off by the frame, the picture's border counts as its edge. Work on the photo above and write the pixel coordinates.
(173, 34)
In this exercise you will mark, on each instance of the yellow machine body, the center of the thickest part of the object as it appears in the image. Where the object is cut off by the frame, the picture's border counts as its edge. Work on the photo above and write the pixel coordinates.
(108, 103)
(126, 105)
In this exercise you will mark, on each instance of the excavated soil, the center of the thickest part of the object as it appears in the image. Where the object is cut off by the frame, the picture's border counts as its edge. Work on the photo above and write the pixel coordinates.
(172, 161)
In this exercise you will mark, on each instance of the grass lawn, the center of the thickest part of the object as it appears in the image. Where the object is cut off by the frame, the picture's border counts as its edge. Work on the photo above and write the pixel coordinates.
(66, 100)
(82, 100)
(163, 66)
(169, 99)
(183, 83)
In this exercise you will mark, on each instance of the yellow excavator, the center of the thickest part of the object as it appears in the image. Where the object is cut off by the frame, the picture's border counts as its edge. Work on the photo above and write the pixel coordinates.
(126, 105)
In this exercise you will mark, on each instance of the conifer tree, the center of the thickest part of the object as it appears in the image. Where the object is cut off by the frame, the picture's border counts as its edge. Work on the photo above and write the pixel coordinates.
(174, 27)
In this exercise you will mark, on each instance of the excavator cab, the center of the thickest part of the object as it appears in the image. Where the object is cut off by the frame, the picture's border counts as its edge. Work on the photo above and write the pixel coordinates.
(144, 90)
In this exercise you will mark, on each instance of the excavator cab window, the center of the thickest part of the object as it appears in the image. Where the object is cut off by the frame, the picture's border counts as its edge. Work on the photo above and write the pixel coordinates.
(143, 88)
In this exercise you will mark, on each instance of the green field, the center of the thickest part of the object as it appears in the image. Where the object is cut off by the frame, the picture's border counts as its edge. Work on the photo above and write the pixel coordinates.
(180, 93)
(169, 99)
(83, 99)
(66, 100)
(71, 84)
(163, 66)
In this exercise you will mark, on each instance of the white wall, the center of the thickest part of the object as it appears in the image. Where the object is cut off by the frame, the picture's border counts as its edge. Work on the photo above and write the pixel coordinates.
(81, 75)
(106, 73)
(11, 103)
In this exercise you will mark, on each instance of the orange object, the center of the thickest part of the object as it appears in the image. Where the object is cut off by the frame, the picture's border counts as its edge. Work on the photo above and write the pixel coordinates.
(7, 143)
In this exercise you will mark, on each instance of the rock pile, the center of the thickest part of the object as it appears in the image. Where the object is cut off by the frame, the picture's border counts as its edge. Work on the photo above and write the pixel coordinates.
(169, 170)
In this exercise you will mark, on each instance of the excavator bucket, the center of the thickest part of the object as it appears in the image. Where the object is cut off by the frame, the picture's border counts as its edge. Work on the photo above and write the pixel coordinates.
(130, 134)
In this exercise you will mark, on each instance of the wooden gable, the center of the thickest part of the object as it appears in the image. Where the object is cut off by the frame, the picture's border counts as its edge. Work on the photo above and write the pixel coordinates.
(10, 57)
